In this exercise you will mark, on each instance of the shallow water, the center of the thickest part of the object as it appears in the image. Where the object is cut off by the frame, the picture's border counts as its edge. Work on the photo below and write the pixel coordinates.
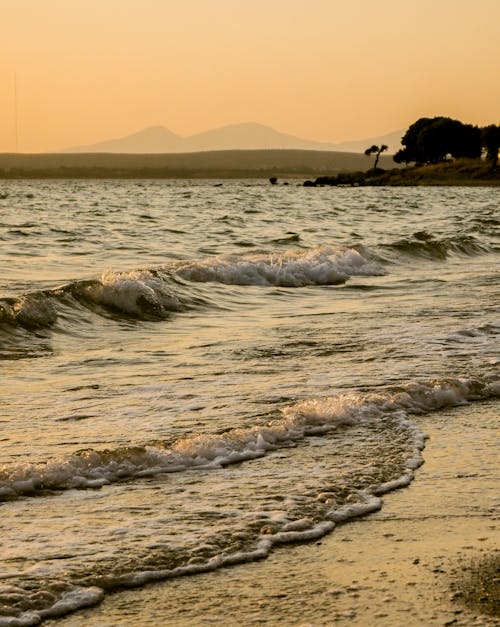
(193, 373)
(393, 567)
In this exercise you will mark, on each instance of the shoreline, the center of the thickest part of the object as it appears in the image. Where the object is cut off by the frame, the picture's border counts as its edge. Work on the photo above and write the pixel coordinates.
(285, 179)
(418, 561)
(304, 168)
(461, 172)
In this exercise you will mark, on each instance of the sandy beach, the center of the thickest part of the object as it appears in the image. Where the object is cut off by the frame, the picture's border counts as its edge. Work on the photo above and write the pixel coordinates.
(422, 560)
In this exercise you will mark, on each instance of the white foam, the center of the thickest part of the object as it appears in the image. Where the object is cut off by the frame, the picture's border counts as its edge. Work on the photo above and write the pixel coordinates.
(75, 599)
(368, 503)
(26, 619)
(264, 546)
(323, 265)
(304, 535)
(70, 601)
(91, 468)
(134, 293)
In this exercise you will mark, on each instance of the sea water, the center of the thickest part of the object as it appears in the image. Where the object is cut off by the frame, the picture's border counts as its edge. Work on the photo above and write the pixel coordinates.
(195, 372)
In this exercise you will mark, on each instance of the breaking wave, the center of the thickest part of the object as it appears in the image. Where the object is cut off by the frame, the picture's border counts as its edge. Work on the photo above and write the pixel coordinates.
(324, 265)
(91, 469)
(141, 293)
(155, 294)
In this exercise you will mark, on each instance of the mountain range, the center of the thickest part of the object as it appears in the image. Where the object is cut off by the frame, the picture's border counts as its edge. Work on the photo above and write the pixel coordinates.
(246, 136)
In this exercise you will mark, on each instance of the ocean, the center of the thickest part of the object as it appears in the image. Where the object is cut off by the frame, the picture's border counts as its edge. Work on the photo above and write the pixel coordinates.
(194, 373)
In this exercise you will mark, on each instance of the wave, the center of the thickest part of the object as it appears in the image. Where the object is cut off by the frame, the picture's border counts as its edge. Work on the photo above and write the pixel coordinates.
(424, 244)
(31, 311)
(93, 469)
(140, 293)
(324, 265)
(154, 294)
(143, 294)
(394, 446)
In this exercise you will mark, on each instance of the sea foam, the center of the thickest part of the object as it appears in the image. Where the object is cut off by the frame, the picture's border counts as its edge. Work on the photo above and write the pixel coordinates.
(92, 469)
(135, 293)
(323, 265)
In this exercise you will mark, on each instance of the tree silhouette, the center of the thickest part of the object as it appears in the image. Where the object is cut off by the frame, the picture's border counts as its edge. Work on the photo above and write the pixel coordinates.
(430, 140)
(376, 150)
(402, 156)
(410, 141)
(491, 141)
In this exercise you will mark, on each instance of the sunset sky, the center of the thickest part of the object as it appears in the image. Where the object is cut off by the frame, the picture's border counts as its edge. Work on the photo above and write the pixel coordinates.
(329, 70)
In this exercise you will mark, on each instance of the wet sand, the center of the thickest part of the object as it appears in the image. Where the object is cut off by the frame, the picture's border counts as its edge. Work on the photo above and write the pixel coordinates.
(429, 557)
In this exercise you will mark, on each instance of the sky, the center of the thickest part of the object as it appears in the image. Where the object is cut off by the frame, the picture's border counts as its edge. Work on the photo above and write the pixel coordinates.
(83, 71)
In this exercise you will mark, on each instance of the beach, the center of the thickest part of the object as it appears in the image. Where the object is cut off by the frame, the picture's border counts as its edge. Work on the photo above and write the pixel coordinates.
(406, 564)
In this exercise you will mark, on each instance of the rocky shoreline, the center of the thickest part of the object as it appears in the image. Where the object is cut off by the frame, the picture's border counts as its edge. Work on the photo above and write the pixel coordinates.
(466, 172)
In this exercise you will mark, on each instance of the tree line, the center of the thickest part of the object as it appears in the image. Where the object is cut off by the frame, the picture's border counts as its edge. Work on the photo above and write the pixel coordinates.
(432, 140)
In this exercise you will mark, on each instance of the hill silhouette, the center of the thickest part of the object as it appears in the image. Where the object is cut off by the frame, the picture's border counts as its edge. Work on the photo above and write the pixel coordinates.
(246, 136)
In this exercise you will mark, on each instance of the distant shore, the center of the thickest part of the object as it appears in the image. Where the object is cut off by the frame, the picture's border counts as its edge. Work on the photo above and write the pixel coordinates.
(464, 172)
(222, 164)
(311, 168)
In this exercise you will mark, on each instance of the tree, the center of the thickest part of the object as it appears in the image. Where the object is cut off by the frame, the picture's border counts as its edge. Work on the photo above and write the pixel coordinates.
(402, 156)
(410, 141)
(491, 141)
(375, 150)
(468, 142)
(430, 140)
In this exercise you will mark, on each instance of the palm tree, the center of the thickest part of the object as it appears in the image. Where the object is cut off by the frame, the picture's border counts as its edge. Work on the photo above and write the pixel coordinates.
(376, 150)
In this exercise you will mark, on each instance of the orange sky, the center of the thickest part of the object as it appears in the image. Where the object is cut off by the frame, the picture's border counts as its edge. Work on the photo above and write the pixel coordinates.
(89, 70)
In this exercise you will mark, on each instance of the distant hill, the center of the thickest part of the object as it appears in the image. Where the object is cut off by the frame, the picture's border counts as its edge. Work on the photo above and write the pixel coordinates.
(247, 136)
(155, 139)
(392, 140)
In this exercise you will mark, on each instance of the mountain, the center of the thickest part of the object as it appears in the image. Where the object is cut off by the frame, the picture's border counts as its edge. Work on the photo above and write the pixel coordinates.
(246, 136)
(393, 140)
(251, 136)
(155, 139)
